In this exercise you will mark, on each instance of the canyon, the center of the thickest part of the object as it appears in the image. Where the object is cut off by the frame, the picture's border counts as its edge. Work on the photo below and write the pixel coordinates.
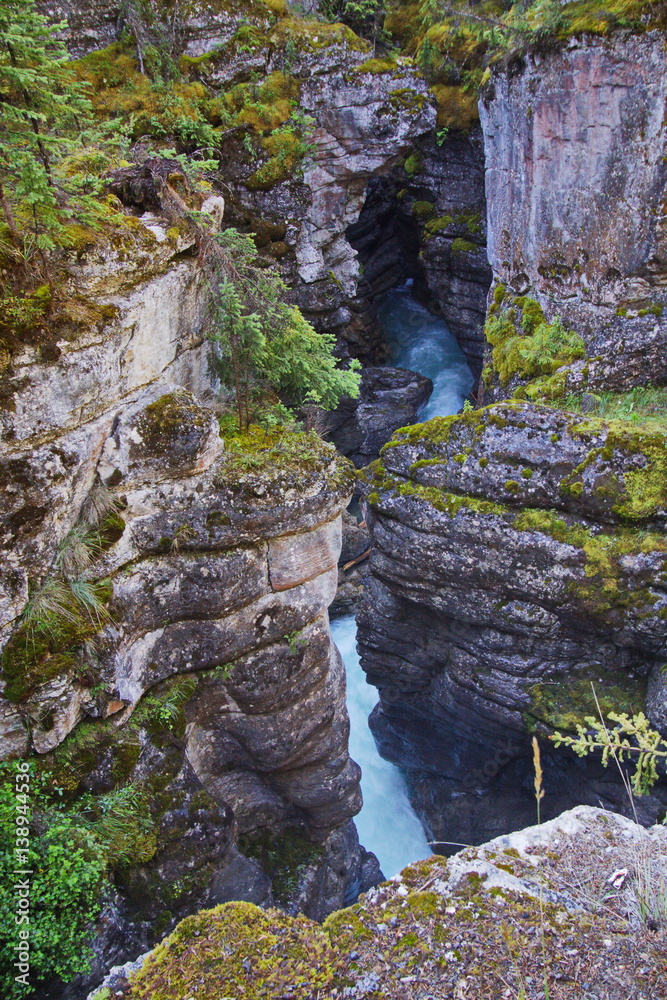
(518, 564)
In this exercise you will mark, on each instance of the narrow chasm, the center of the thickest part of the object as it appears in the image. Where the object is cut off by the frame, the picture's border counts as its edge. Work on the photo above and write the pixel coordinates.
(333, 500)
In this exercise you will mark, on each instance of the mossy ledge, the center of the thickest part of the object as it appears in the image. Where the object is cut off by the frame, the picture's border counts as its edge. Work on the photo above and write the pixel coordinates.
(609, 469)
(473, 915)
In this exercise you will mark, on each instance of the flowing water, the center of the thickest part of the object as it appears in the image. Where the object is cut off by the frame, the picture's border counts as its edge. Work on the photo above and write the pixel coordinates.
(422, 343)
(386, 824)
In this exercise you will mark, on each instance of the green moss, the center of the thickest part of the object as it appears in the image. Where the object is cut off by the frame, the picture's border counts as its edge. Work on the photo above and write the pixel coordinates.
(532, 348)
(346, 926)
(166, 417)
(644, 489)
(254, 953)
(423, 209)
(377, 66)
(604, 589)
(413, 164)
(471, 220)
(456, 107)
(435, 226)
(160, 713)
(532, 316)
(512, 486)
(633, 460)
(463, 246)
(440, 500)
(216, 519)
(588, 17)
(424, 904)
(545, 389)
(527, 473)
(564, 705)
(279, 459)
(56, 623)
(405, 99)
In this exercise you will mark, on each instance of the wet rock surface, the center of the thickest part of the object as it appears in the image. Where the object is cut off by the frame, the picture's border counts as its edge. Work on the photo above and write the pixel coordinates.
(425, 221)
(353, 568)
(389, 398)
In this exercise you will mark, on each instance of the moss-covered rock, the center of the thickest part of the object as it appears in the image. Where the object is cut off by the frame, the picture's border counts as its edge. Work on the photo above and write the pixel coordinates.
(472, 916)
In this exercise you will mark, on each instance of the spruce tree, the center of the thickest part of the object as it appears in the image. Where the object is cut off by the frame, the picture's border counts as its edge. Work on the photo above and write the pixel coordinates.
(43, 113)
(260, 342)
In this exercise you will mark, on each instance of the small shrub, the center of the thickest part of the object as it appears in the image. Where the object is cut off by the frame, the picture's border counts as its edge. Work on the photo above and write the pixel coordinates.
(68, 865)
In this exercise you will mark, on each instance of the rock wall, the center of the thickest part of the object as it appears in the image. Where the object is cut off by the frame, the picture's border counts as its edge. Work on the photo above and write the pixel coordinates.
(389, 398)
(165, 609)
(366, 117)
(426, 221)
(575, 146)
(519, 551)
(495, 605)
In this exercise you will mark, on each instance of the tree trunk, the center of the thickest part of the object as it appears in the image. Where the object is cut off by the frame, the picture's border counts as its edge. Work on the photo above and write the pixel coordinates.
(9, 219)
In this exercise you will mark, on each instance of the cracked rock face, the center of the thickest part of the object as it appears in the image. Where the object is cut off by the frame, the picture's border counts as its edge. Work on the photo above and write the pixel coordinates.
(575, 145)
(141, 318)
(430, 227)
(389, 398)
(499, 595)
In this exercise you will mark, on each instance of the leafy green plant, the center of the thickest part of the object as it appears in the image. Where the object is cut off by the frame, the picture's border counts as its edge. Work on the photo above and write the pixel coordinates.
(67, 610)
(632, 739)
(441, 135)
(643, 404)
(68, 863)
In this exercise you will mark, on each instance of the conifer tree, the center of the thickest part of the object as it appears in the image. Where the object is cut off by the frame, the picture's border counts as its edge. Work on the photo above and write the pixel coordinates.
(261, 342)
(43, 112)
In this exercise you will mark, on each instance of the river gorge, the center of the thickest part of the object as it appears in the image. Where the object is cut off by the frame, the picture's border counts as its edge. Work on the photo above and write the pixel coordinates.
(267, 680)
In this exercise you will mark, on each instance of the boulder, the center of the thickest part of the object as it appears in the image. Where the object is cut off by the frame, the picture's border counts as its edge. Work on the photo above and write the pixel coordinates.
(388, 398)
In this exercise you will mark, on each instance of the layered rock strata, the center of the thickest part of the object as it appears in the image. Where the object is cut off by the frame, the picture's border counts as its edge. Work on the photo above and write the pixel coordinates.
(575, 144)
(519, 551)
(519, 556)
(164, 607)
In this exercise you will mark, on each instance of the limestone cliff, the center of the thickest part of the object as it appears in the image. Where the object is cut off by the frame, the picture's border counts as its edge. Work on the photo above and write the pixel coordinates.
(575, 159)
(499, 595)
(165, 610)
